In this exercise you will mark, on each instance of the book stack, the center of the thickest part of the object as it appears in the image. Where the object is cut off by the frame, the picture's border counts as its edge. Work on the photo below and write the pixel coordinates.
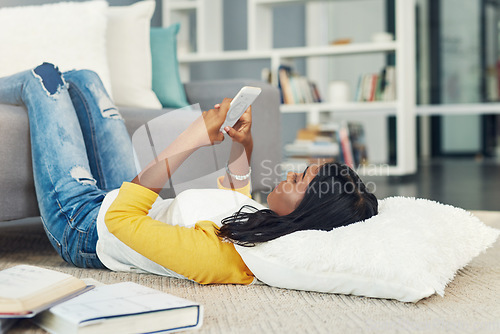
(296, 89)
(377, 86)
(314, 142)
(61, 303)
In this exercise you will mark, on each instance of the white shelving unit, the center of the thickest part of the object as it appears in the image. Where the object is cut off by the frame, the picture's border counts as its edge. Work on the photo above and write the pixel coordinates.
(208, 30)
(260, 46)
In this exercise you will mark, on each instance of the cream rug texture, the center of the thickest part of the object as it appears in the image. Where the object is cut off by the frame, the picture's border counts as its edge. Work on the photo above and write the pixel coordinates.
(471, 303)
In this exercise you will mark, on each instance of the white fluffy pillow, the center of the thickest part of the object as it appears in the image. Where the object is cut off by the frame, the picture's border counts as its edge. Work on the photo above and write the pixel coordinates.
(129, 55)
(409, 251)
(71, 35)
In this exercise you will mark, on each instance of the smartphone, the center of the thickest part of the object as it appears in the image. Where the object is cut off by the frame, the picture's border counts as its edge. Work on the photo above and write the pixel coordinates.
(240, 104)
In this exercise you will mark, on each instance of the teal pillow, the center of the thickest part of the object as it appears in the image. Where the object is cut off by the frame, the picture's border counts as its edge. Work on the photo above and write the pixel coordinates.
(167, 83)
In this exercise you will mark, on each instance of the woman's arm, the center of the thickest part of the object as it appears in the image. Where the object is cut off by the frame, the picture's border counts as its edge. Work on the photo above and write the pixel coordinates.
(202, 132)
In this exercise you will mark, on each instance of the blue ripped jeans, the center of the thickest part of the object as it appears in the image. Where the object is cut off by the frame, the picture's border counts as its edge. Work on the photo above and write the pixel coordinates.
(80, 150)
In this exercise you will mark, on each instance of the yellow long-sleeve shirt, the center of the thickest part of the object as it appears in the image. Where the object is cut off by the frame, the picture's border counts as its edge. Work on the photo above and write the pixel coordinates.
(196, 253)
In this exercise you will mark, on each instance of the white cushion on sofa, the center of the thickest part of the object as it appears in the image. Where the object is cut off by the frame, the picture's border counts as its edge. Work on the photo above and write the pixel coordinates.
(409, 251)
(129, 55)
(71, 35)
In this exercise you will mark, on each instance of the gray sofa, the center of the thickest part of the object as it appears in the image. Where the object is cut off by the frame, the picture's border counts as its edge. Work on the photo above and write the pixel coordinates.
(17, 193)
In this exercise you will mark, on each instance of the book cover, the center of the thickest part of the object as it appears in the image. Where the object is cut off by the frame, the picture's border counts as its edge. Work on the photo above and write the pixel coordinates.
(284, 85)
(265, 75)
(390, 88)
(373, 87)
(122, 308)
(367, 84)
(359, 89)
(26, 290)
(358, 143)
(306, 89)
(345, 144)
(317, 95)
(294, 85)
(382, 82)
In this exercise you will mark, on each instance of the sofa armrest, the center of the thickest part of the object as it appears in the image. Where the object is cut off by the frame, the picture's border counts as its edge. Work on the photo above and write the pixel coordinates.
(266, 127)
(17, 189)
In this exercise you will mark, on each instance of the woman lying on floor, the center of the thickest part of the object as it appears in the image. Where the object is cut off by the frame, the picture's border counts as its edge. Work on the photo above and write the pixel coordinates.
(82, 154)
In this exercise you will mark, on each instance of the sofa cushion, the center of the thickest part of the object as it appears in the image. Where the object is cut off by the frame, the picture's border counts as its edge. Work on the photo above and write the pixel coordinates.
(129, 55)
(71, 35)
(166, 79)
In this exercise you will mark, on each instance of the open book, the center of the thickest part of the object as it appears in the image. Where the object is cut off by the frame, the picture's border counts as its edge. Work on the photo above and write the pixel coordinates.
(26, 290)
(121, 308)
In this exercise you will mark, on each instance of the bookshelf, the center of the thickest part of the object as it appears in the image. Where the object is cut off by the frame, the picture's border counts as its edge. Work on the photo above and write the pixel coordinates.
(285, 53)
(260, 46)
(208, 30)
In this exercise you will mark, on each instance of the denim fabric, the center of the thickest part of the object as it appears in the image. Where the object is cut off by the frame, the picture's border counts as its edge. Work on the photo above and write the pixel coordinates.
(80, 150)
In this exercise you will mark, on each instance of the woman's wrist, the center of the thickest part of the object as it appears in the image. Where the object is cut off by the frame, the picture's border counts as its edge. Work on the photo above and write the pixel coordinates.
(197, 133)
(248, 144)
(239, 177)
(248, 139)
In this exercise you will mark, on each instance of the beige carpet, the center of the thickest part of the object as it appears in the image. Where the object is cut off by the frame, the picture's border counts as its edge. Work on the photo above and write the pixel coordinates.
(471, 303)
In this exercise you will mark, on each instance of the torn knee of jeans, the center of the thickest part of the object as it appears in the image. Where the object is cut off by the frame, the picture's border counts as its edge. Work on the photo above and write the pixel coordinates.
(106, 105)
(111, 113)
(82, 175)
(50, 77)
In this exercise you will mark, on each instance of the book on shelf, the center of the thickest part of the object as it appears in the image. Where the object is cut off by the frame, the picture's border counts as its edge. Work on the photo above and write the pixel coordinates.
(498, 78)
(284, 85)
(266, 75)
(296, 89)
(27, 290)
(346, 155)
(358, 143)
(377, 86)
(122, 308)
(353, 151)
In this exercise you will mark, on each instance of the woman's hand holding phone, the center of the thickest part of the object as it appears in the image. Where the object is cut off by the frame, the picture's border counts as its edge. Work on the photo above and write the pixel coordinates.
(237, 115)
(241, 131)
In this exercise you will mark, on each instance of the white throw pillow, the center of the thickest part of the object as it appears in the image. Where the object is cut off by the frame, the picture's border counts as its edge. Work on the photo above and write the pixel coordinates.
(129, 55)
(71, 35)
(409, 251)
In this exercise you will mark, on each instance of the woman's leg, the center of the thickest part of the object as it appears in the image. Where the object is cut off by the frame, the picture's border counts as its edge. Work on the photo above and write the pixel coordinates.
(68, 197)
(108, 144)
